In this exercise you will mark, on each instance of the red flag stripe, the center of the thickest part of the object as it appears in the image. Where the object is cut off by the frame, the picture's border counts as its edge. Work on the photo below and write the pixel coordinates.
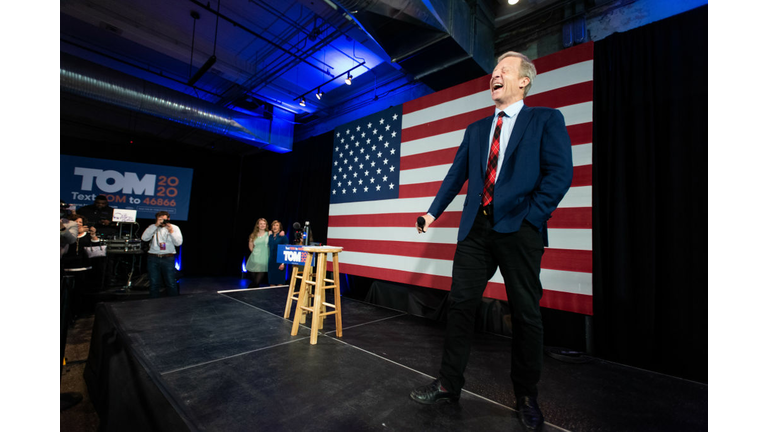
(567, 57)
(571, 217)
(445, 125)
(582, 176)
(567, 260)
(458, 91)
(580, 133)
(577, 54)
(422, 160)
(553, 259)
(578, 303)
(567, 217)
(447, 219)
(563, 96)
(420, 190)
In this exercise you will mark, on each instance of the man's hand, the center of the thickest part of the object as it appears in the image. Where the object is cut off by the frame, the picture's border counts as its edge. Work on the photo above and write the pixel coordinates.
(169, 227)
(427, 222)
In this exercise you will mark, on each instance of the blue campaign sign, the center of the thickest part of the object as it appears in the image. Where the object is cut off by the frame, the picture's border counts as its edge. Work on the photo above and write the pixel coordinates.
(145, 188)
(288, 254)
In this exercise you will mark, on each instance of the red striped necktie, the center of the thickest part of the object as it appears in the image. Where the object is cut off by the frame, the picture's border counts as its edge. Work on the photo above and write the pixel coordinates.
(493, 159)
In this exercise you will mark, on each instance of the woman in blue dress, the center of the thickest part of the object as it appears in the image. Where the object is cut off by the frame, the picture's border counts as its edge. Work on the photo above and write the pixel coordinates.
(276, 270)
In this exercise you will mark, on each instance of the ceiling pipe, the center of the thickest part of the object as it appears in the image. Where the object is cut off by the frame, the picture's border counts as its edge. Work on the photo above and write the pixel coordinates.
(253, 33)
(109, 86)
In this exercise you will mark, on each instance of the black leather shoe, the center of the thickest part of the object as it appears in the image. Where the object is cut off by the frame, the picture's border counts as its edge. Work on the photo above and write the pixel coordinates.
(433, 393)
(529, 414)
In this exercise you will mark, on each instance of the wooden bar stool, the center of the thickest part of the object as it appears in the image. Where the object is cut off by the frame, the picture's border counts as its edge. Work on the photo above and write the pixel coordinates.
(317, 306)
(293, 293)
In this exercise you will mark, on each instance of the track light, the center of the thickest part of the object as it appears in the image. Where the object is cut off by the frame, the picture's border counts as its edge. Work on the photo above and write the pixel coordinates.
(349, 79)
(319, 94)
(303, 102)
(512, 2)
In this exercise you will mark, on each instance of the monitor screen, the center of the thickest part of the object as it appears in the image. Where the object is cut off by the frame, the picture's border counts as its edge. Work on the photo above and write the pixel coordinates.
(124, 215)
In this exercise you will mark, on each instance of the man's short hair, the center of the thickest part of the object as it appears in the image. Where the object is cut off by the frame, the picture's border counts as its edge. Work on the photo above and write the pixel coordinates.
(527, 69)
(162, 213)
(101, 198)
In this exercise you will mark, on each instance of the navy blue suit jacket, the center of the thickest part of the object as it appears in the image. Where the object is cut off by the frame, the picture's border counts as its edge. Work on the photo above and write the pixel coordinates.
(536, 173)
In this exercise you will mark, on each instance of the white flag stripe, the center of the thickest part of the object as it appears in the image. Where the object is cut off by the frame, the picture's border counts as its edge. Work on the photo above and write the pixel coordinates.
(402, 205)
(582, 154)
(577, 113)
(436, 142)
(562, 77)
(580, 196)
(424, 175)
(444, 110)
(430, 266)
(555, 280)
(579, 239)
(575, 197)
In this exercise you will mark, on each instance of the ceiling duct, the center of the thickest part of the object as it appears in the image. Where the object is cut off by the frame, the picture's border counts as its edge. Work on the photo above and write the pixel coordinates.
(424, 37)
(109, 86)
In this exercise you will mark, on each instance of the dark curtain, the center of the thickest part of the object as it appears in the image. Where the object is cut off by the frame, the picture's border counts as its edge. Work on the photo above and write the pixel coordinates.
(650, 196)
(229, 193)
(289, 187)
(209, 228)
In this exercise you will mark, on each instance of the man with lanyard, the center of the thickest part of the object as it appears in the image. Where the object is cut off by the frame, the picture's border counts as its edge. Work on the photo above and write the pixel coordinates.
(163, 239)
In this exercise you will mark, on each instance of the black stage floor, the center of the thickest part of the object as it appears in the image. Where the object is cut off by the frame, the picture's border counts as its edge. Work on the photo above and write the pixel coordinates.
(226, 362)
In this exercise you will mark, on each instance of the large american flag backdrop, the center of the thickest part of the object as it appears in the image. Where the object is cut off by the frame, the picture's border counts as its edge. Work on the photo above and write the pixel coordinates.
(388, 167)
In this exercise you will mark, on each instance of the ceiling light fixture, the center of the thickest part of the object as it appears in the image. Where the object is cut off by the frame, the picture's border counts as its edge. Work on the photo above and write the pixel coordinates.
(303, 102)
(512, 2)
(318, 89)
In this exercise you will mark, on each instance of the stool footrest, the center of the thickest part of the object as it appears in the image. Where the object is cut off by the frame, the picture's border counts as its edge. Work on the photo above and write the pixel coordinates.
(312, 291)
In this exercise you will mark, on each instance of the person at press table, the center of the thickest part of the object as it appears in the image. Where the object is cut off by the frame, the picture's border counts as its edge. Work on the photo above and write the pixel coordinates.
(276, 271)
(68, 229)
(100, 214)
(519, 166)
(68, 235)
(76, 257)
(163, 238)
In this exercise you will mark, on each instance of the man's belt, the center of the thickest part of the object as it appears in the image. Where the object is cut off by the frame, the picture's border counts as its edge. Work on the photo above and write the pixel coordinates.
(164, 255)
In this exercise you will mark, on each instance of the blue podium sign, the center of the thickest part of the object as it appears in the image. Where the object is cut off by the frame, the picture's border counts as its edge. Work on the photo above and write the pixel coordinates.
(288, 254)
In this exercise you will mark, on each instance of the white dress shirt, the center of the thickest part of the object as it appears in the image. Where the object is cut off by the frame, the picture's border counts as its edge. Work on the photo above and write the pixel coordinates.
(506, 131)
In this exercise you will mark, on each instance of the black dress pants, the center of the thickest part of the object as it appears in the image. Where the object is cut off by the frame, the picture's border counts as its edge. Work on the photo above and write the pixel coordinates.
(518, 256)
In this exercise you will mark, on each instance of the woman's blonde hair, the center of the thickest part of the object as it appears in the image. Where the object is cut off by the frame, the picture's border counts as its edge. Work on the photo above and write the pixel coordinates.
(256, 228)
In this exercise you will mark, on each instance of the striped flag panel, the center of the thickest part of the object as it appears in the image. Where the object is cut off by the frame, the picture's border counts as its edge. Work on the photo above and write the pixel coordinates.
(389, 166)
